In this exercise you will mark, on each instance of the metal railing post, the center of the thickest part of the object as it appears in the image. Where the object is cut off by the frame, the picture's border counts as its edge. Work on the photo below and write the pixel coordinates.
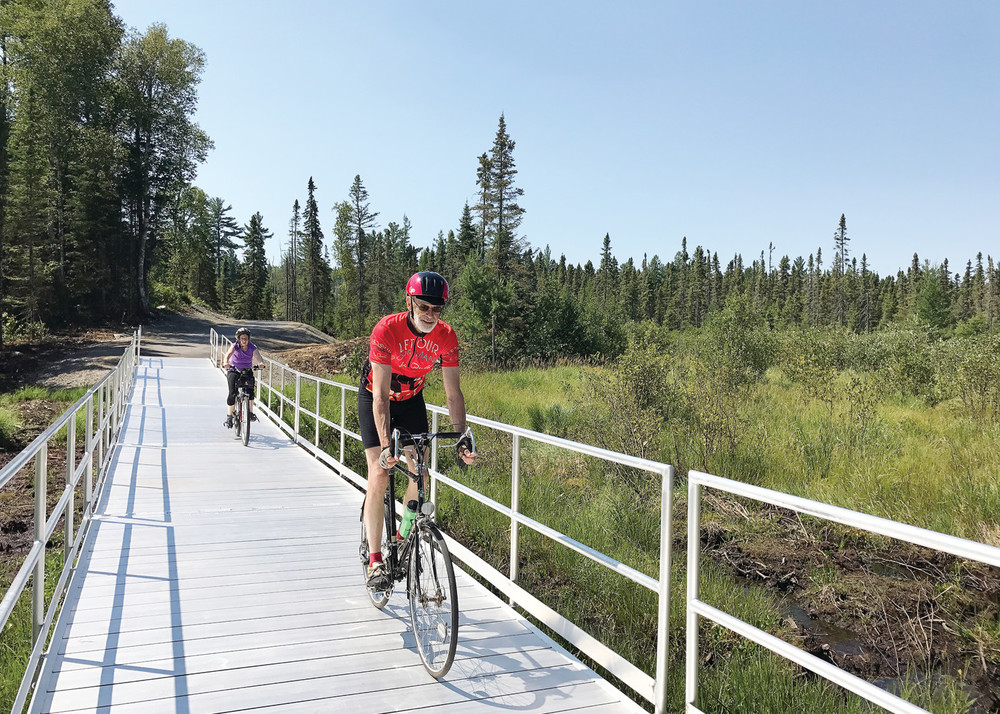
(298, 397)
(515, 500)
(434, 458)
(693, 557)
(316, 442)
(281, 402)
(88, 481)
(270, 381)
(100, 427)
(70, 471)
(663, 595)
(343, 421)
(38, 586)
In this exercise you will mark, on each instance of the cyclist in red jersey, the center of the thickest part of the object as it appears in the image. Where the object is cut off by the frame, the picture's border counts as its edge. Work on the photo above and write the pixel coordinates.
(403, 348)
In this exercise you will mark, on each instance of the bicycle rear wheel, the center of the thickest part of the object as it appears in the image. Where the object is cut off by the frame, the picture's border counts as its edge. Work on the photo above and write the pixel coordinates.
(379, 598)
(433, 600)
(245, 419)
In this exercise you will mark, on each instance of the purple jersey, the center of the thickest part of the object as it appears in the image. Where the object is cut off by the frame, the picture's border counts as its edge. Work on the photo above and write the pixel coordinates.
(240, 359)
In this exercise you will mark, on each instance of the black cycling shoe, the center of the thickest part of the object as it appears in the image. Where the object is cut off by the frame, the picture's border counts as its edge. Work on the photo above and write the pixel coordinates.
(229, 422)
(378, 579)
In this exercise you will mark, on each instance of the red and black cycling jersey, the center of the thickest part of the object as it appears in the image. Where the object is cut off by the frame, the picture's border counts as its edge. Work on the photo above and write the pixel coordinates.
(410, 353)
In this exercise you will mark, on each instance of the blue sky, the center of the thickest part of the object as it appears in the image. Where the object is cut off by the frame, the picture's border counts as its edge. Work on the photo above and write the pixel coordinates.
(736, 124)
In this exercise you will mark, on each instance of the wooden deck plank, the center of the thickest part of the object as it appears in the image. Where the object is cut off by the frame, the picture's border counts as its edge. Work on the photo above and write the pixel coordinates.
(223, 578)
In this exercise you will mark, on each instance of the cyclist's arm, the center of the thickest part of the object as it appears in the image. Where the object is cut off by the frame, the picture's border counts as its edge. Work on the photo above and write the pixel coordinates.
(381, 384)
(456, 405)
(232, 348)
(258, 360)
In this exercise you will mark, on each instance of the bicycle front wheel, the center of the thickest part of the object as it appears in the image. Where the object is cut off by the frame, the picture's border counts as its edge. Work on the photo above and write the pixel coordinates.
(245, 418)
(433, 600)
(238, 420)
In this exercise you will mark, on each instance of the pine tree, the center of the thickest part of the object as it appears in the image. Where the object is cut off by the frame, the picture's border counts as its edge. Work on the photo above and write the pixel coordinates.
(608, 272)
(362, 223)
(840, 241)
(467, 239)
(291, 261)
(314, 266)
(506, 214)
(252, 297)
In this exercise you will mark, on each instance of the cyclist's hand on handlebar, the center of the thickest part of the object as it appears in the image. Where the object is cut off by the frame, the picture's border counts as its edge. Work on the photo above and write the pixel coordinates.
(466, 448)
(386, 460)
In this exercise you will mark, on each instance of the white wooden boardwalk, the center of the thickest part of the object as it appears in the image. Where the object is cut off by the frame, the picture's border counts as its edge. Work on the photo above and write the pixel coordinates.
(219, 578)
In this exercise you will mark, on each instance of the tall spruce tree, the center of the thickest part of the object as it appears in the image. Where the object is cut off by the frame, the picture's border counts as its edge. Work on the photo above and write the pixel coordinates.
(362, 224)
(502, 195)
(291, 259)
(315, 268)
(252, 298)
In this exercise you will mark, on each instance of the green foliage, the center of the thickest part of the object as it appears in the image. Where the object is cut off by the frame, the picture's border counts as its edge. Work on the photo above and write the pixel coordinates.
(16, 330)
(167, 296)
(10, 424)
(356, 360)
(969, 368)
(624, 408)
(933, 303)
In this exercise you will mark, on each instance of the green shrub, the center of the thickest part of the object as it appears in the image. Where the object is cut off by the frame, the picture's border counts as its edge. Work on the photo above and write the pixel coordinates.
(163, 295)
(16, 330)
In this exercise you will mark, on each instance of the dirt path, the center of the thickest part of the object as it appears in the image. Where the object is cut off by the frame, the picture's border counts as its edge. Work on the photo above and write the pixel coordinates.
(171, 335)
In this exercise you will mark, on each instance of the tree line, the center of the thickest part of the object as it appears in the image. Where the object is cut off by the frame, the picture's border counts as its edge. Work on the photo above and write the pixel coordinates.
(100, 219)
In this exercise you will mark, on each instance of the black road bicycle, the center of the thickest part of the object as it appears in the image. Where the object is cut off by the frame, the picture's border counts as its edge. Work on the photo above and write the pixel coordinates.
(421, 558)
(241, 414)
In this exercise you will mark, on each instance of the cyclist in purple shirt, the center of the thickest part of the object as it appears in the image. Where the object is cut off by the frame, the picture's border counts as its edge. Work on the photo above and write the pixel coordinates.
(243, 354)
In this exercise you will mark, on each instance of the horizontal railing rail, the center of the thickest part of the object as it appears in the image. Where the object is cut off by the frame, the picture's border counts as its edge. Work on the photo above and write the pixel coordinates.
(697, 481)
(273, 399)
(105, 402)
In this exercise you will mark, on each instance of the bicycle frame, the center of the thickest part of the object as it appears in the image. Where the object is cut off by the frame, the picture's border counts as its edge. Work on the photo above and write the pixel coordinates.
(399, 551)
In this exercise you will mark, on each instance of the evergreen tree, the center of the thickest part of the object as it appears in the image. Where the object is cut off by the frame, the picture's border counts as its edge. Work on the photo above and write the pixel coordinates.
(291, 261)
(502, 195)
(608, 272)
(840, 241)
(467, 239)
(224, 231)
(315, 268)
(252, 299)
(362, 223)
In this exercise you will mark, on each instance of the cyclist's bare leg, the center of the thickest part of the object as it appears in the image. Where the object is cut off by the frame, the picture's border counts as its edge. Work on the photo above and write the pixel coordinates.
(378, 481)
(411, 464)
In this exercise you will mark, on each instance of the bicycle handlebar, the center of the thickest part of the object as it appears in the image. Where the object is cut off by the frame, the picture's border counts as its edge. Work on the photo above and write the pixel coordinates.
(399, 440)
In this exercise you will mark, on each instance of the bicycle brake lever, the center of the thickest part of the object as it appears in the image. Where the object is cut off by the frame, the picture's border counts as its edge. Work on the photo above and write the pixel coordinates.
(395, 443)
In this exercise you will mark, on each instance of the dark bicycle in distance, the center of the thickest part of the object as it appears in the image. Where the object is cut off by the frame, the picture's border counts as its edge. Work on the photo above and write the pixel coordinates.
(244, 393)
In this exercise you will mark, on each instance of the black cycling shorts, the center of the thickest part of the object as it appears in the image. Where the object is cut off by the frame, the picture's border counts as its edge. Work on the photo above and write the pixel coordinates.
(408, 416)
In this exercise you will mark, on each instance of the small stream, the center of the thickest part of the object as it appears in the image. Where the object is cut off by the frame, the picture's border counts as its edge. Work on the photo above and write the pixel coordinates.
(843, 642)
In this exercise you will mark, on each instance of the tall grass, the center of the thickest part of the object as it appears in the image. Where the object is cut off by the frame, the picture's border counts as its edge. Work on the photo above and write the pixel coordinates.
(15, 639)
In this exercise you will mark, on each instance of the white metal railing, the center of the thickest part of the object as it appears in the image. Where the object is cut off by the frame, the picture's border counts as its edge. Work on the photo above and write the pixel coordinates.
(277, 377)
(696, 608)
(106, 402)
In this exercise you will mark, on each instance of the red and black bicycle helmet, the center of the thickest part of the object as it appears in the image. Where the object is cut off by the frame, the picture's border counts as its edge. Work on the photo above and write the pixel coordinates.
(429, 287)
